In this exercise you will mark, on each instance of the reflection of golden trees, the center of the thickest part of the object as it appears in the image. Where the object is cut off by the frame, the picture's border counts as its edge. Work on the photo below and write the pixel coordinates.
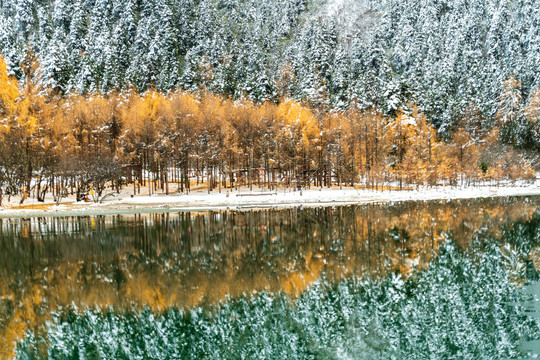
(183, 260)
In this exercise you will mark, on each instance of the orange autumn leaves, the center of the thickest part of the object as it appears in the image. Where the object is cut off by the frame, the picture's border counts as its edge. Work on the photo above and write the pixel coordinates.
(15, 110)
(222, 141)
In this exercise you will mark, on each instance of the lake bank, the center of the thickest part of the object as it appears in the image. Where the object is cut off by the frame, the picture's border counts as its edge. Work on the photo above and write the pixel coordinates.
(243, 199)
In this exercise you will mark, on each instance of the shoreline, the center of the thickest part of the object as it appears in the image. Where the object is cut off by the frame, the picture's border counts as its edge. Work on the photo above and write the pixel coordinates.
(200, 200)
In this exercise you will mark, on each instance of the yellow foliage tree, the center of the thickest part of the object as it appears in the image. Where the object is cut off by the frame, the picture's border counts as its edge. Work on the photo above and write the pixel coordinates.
(9, 94)
(398, 135)
(300, 129)
(532, 112)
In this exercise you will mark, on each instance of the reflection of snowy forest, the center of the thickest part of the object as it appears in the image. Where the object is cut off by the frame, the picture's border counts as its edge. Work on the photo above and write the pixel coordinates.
(183, 260)
(364, 80)
(464, 305)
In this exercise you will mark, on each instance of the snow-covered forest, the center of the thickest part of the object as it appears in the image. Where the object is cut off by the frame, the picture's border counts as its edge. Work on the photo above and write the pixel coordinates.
(446, 56)
(286, 91)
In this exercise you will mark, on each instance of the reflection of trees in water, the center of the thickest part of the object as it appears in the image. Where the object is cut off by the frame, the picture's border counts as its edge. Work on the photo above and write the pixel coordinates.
(184, 259)
(259, 249)
(462, 306)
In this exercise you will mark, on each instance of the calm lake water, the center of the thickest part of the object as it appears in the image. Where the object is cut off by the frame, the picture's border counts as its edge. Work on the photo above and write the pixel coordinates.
(439, 279)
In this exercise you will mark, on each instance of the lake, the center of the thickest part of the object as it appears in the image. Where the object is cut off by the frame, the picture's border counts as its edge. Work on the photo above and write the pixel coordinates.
(436, 279)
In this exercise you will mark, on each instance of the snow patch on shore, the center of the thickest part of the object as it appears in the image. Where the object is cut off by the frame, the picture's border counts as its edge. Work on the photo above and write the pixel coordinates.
(201, 200)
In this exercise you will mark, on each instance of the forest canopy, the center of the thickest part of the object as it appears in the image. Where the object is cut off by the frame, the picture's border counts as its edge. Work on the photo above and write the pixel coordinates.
(97, 93)
(448, 57)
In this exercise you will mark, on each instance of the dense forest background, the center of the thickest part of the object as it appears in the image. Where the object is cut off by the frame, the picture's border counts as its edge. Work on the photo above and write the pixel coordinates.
(317, 92)
(446, 56)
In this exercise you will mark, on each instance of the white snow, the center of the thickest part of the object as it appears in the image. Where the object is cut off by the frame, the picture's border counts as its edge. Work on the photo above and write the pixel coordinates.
(409, 120)
(201, 200)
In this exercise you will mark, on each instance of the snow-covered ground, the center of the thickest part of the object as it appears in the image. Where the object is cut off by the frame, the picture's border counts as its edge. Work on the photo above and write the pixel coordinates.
(200, 200)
